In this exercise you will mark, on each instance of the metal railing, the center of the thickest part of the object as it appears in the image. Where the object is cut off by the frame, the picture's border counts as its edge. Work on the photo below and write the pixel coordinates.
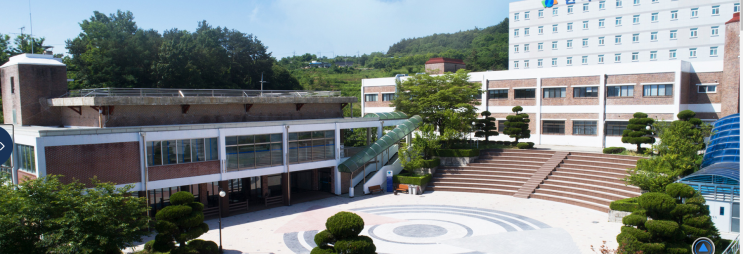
(733, 247)
(162, 92)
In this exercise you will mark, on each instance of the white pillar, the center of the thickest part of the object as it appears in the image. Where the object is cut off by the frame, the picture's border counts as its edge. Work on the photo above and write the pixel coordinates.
(222, 154)
(40, 158)
(538, 123)
(285, 144)
(379, 130)
(602, 111)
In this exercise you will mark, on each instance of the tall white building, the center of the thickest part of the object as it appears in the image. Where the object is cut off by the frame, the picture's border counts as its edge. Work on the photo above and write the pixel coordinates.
(587, 32)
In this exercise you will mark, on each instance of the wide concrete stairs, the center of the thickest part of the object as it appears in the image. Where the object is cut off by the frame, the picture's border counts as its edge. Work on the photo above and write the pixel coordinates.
(588, 180)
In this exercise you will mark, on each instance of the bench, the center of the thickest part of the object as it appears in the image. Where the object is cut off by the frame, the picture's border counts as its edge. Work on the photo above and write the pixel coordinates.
(401, 188)
(375, 188)
(274, 200)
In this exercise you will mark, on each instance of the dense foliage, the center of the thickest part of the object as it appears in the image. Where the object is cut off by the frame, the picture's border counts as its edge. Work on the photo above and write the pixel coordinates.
(517, 126)
(485, 127)
(181, 222)
(342, 232)
(20, 44)
(46, 216)
(423, 145)
(638, 131)
(614, 150)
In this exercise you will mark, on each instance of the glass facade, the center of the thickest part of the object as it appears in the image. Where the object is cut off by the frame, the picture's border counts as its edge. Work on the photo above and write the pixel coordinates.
(254, 151)
(26, 158)
(724, 146)
(311, 146)
(166, 152)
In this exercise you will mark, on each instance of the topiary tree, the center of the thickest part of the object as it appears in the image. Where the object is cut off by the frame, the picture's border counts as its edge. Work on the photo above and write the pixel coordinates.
(182, 222)
(486, 126)
(342, 232)
(638, 131)
(517, 126)
(668, 222)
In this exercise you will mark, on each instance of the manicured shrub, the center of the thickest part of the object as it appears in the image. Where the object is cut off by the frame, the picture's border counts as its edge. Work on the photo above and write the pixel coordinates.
(634, 220)
(457, 153)
(662, 228)
(323, 238)
(531, 144)
(627, 205)
(323, 250)
(360, 244)
(432, 163)
(640, 235)
(204, 247)
(522, 146)
(679, 190)
(148, 245)
(415, 180)
(180, 222)
(342, 231)
(657, 205)
(614, 150)
(637, 132)
(344, 225)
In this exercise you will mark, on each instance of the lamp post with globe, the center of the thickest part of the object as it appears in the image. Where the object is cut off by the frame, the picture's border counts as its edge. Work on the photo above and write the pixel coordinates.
(221, 195)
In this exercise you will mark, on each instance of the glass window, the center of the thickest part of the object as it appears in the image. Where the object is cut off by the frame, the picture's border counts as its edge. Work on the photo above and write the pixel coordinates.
(540, 46)
(672, 54)
(618, 39)
(635, 19)
(602, 22)
(388, 96)
(516, 16)
(526, 31)
(524, 93)
(713, 51)
(526, 47)
(580, 92)
(618, 21)
(312, 146)
(693, 52)
(674, 15)
(636, 38)
(654, 17)
(212, 149)
(601, 41)
(570, 43)
(541, 13)
(255, 151)
(371, 97)
(694, 12)
(693, 33)
(170, 147)
(154, 153)
(617, 58)
(585, 7)
(674, 34)
(707, 88)
(516, 32)
(657, 90)
(554, 28)
(715, 30)
(615, 128)
(620, 91)
(516, 48)
(654, 36)
(584, 127)
(539, 63)
(569, 60)
(635, 56)
(602, 5)
(526, 15)
(553, 127)
(716, 10)
(722, 210)
(585, 24)
(184, 150)
(498, 94)
(197, 150)
(12, 85)
(554, 61)
(516, 64)
(601, 59)
(584, 60)
(570, 27)
(541, 29)
(585, 42)
(554, 92)
(653, 55)
(570, 9)
(619, 3)
(554, 45)
(636, 2)
(526, 64)
(736, 7)
(554, 11)
(26, 158)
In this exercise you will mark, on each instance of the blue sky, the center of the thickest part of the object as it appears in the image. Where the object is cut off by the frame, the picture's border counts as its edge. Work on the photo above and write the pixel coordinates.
(285, 26)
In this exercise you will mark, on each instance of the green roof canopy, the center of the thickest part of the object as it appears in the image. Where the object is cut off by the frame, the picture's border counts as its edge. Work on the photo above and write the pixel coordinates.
(388, 115)
(360, 159)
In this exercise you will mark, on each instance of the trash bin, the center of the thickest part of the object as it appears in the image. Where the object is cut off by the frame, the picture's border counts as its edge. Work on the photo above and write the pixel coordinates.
(413, 189)
(350, 192)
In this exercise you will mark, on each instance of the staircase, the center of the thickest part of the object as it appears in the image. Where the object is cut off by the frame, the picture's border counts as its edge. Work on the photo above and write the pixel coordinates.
(497, 171)
(588, 180)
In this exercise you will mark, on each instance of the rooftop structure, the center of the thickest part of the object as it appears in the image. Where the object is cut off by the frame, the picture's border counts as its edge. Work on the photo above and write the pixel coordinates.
(440, 65)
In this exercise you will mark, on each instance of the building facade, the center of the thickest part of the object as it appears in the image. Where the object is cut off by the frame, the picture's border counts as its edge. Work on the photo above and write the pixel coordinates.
(608, 32)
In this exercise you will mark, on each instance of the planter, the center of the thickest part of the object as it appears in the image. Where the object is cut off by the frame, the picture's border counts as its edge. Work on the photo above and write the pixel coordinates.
(424, 171)
(616, 216)
(457, 161)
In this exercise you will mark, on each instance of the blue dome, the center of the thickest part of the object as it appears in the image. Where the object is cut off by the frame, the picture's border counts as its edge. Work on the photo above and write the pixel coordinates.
(724, 145)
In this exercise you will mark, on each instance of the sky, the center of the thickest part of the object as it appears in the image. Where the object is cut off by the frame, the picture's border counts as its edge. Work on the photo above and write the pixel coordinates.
(287, 27)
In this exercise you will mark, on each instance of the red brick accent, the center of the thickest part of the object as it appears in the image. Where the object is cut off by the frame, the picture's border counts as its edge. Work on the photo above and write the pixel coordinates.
(736, 18)
(183, 170)
(111, 162)
(25, 176)
(444, 60)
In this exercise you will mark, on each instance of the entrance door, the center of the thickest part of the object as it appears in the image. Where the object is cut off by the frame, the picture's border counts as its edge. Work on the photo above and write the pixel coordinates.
(324, 179)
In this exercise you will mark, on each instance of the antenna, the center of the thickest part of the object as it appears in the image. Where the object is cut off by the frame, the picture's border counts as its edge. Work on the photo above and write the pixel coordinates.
(31, 22)
(262, 84)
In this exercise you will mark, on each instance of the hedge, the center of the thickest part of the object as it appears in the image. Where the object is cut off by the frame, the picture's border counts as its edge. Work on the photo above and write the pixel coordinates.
(432, 163)
(614, 150)
(457, 152)
(415, 180)
(627, 205)
(525, 145)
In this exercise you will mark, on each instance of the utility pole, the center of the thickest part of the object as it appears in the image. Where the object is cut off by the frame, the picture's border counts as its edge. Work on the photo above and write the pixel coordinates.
(262, 84)
(31, 23)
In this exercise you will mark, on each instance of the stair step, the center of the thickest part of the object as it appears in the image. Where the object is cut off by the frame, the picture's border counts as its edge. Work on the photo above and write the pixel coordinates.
(584, 197)
(599, 184)
(589, 176)
(475, 185)
(571, 201)
(598, 164)
(472, 190)
(480, 176)
(602, 159)
(617, 174)
(476, 181)
(599, 193)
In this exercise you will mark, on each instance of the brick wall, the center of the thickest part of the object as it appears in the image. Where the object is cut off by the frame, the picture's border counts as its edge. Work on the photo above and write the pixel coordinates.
(731, 67)
(638, 99)
(627, 116)
(510, 84)
(377, 90)
(32, 83)
(693, 95)
(182, 170)
(111, 162)
(502, 116)
(569, 120)
(25, 176)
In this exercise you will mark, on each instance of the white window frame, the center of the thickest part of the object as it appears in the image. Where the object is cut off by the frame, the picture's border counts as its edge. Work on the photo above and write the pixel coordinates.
(716, 10)
(618, 21)
(570, 44)
(601, 41)
(736, 7)
(673, 35)
(585, 7)
(526, 64)
(706, 87)
(653, 36)
(516, 16)
(516, 32)
(602, 5)
(635, 56)
(554, 45)
(636, 19)
(554, 11)
(602, 23)
(694, 12)
(617, 39)
(516, 48)
(713, 51)
(692, 52)
(526, 31)
(569, 61)
(635, 38)
(515, 64)
(540, 46)
(654, 17)
(619, 4)
(526, 15)
(584, 60)
(585, 42)
(526, 47)
(672, 54)
(694, 32)
(539, 63)
(541, 30)
(601, 59)
(570, 27)
(554, 28)
(715, 31)
(585, 25)
(540, 14)
(653, 55)
(618, 58)
(554, 62)
(636, 2)
(675, 15)
(570, 9)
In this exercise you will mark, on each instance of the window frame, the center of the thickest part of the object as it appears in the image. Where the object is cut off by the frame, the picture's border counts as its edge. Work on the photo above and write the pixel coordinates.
(328, 154)
(388, 96)
(371, 95)
(600, 59)
(585, 127)
(553, 127)
(706, 88)
(554, 92)
(499, 92)
(523, 93)
(713, 51)
(655, 90)
(583, 92)
(615, 128)
(620, 91)
(153, 146)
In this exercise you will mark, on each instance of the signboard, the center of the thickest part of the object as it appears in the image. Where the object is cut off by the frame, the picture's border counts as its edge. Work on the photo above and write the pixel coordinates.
(549, 3)
(390, 184)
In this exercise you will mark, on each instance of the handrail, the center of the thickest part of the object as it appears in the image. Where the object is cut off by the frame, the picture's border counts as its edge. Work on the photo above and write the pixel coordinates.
(733, 247)
(167, 92)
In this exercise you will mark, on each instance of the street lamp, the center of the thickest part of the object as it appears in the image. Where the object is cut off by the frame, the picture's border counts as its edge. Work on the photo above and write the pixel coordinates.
(221, 195)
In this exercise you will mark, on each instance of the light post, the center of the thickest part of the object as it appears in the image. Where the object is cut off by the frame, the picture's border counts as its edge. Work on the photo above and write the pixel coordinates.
(221, 195)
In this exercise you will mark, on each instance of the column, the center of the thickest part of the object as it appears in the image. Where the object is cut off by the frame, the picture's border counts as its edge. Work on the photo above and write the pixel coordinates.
(380, 130)
(602, 111)
(315, 179)
(202, 194)
(333, 171)
(285, 188)
(225, 201)
(538, 120)
(264, 186)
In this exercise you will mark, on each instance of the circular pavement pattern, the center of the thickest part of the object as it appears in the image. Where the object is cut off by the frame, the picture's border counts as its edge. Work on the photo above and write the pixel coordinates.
(423, 228)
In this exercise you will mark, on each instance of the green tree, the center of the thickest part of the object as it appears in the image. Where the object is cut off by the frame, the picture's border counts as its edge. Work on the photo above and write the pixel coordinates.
(24, 43)
(668, 222)
(517, 126)
(421, 148)
(486, 126)
(5, 49)
(638, 131)
(342, 232)
(46, 216)
(181, 222)
(431, 97)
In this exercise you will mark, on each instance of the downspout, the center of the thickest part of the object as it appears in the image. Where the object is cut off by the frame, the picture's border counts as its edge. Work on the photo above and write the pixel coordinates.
(146, 175)
(288, 173)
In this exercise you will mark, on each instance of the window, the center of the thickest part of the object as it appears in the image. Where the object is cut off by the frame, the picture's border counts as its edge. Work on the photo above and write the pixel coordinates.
(655, 1)
(498, 94)
(516, 48)
(584, 60)
(601, 59)
(166, 152)
(692, 52)
(554, 45)
(540, 46)
(601, 41)
(570, 9)
(582, 92)
(554, 28)
(539, 63)
(541, 30)
(516, 32)
(617, 58)
(615, 128)
(636, 2)
(570, 43)
(553, 127)
(674, 15)
(526, 15)
(635, 20)
(585, 42)
(602, 5)
(707, 88)
(526, 47)
(516, 16)
(715, 30)
(635, 56)
(601, 22)
(693, 33)
(654, 36)
(311, 146)
(715, 10)
(554, 11)
(524, 93)
(26, 158)
(636, 38)
(12, 85)
(620, 91)
(554, 62)
(526, 31)
(371, 97)
(713, 51)
(736, 7)
(722, 210)
(516, 64)
(653, 55)
(585, 24)
(672, 54)
(570, 27)
(618, 21)
(619, 3)
(657, 90)
(694, 12)
(618, 39)
(654, 17)
(254, 151)
(541, 13)
(569, 61)
(585, 7)
(584, 127)
(526, 64)
(554, 92)
(674, 34)
(388, 97)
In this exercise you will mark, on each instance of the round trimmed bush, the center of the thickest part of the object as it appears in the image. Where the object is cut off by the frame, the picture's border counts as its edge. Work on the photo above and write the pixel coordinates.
(522, 146)
(614, 150)
(679, 190)
(640, 235)
(204, 247)
(698, 221)
(657, 205)
(323, 238)
(360, 245)
(653, 248)
(663, 228)
(634, 220)
(323, 250)
(344, 225)
(181, 197)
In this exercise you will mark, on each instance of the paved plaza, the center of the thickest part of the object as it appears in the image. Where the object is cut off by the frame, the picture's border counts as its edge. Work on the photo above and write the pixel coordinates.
(436, 222)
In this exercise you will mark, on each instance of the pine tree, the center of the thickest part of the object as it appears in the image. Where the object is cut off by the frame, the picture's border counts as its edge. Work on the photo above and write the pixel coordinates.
(182, 222)
(517, 126)
(638, 131)
(486, 126)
